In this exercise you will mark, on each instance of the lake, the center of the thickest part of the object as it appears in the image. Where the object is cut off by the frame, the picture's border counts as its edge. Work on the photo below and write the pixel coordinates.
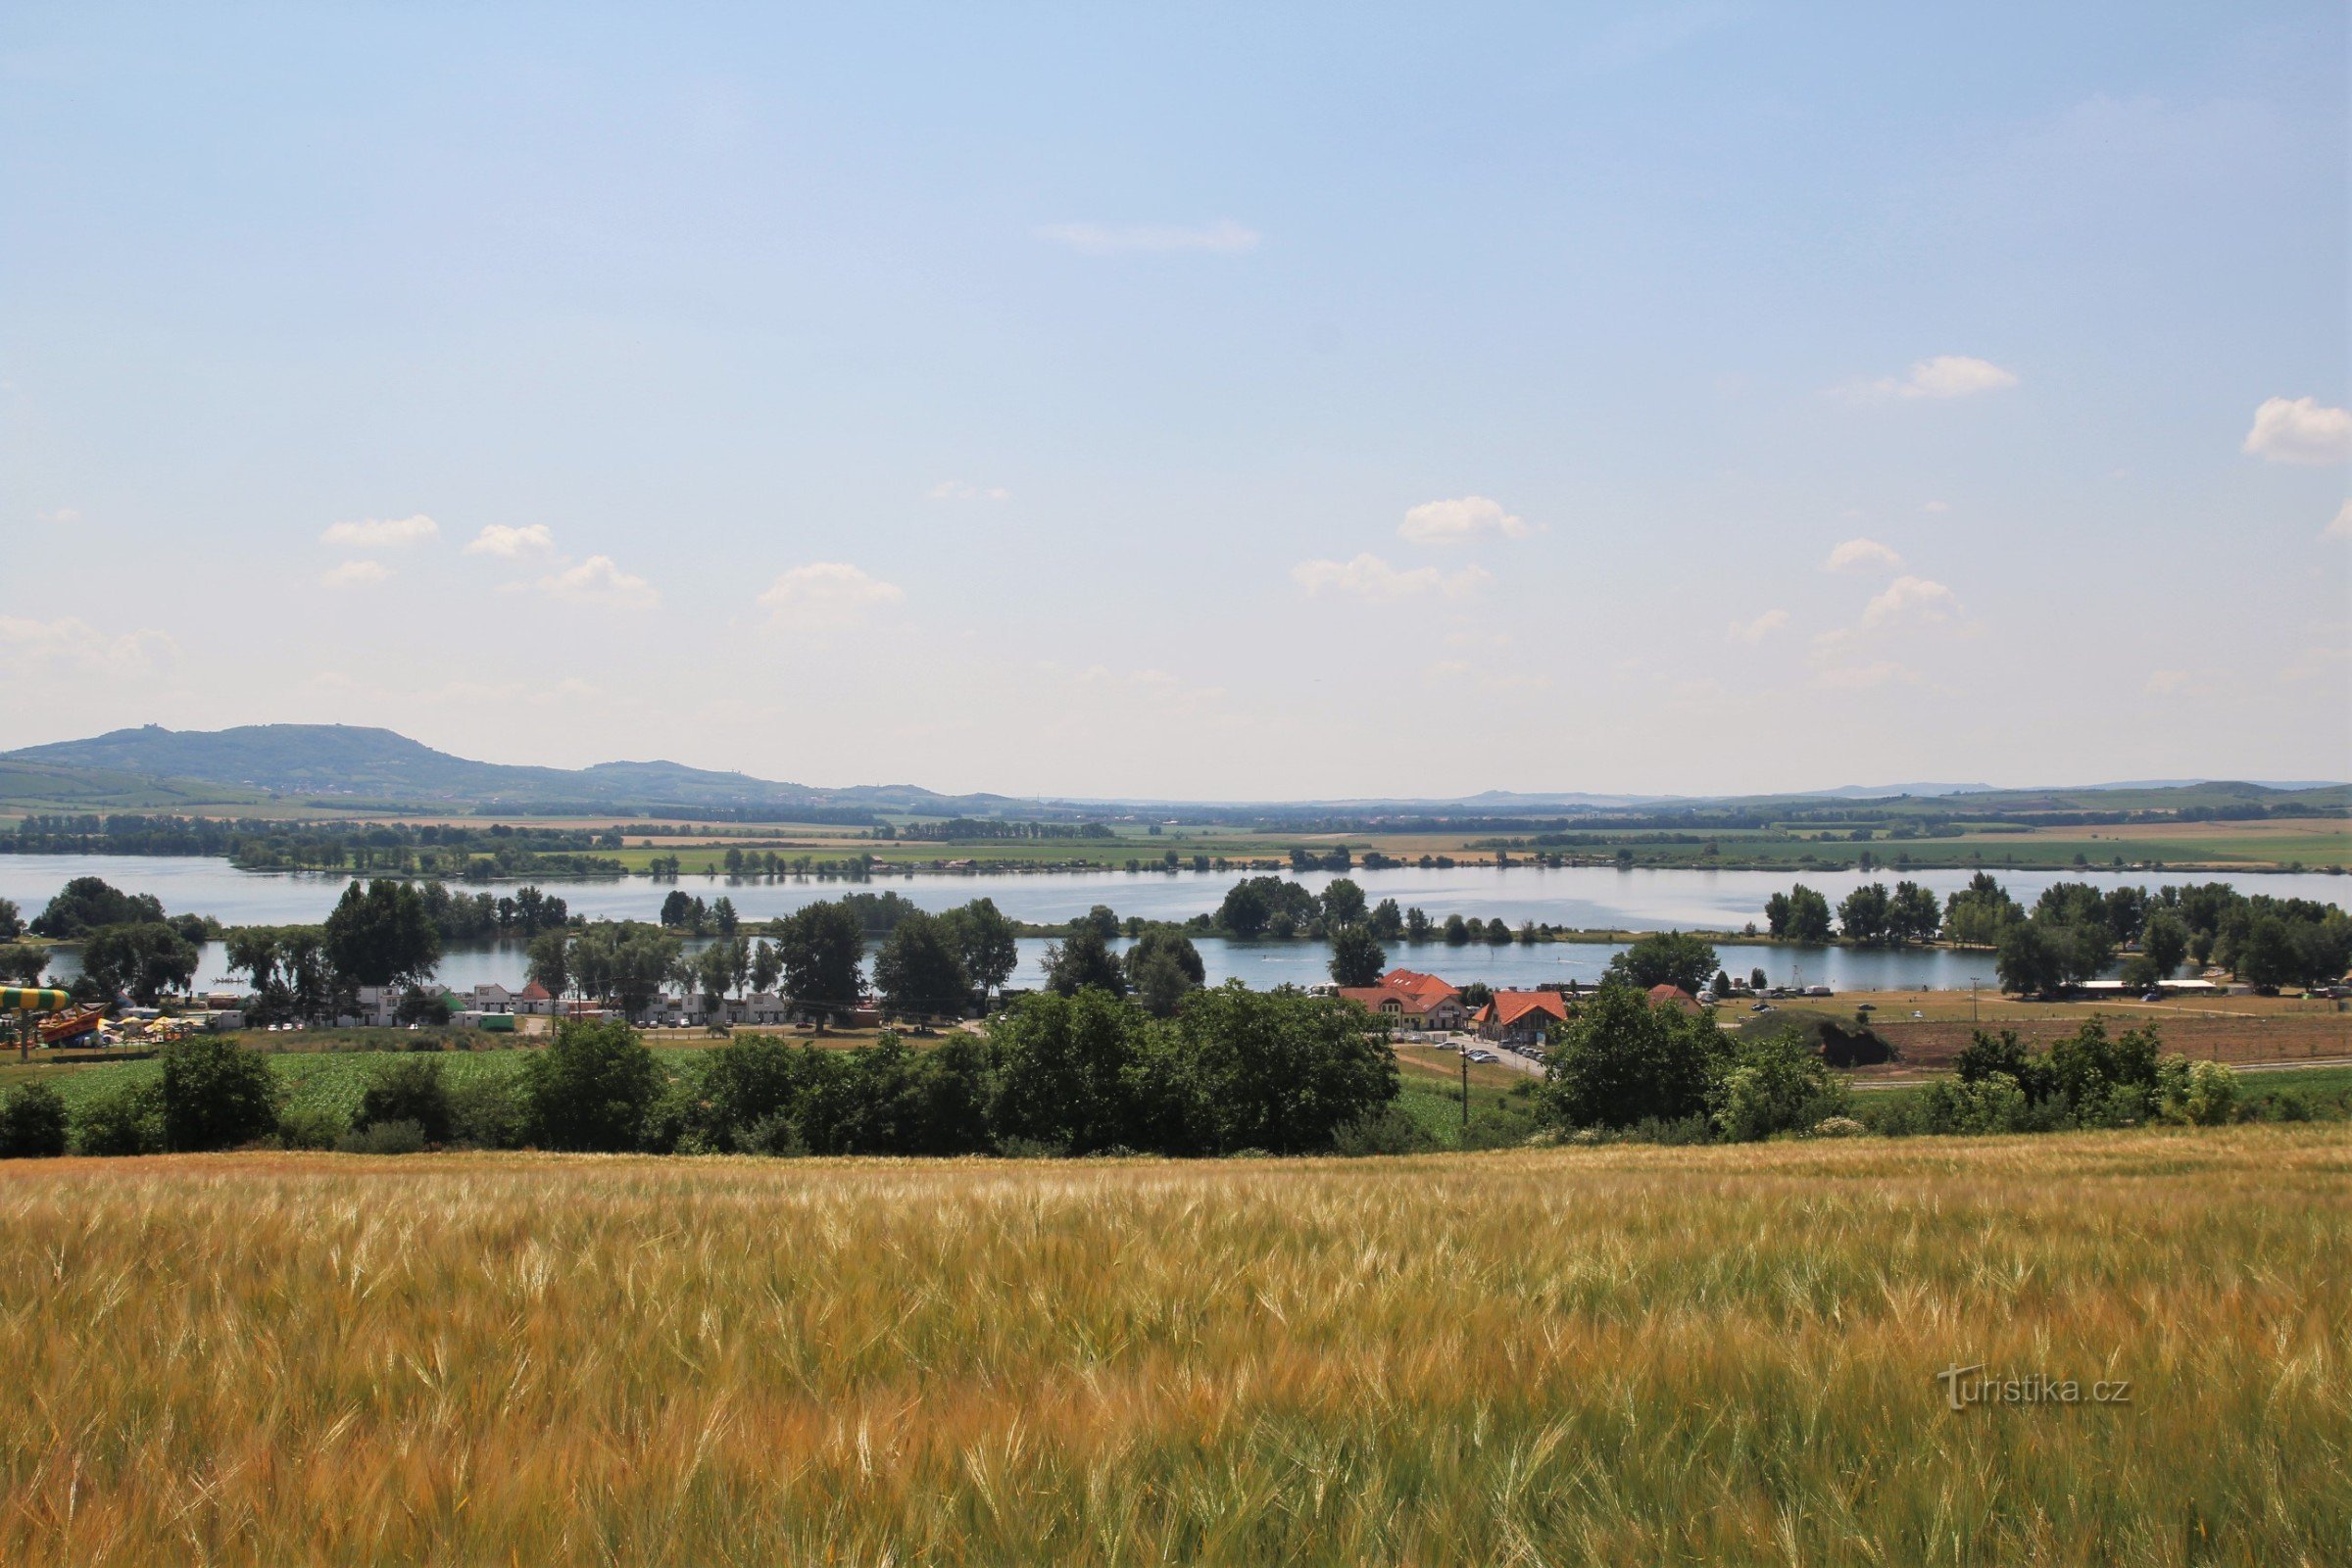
(1583, 897)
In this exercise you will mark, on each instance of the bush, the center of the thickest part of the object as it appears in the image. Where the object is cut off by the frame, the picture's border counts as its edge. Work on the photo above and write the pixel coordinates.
(1839, 1127)
(1779, 1084)
(486, 1113)
(592, 1090)
(310, 1127)
(382, 1138)
(2200, 1094)
(32, 1123)
(1621, 1063)
(218, 1095)
(126, 1120)
(410, 1090)
(1390, 1130)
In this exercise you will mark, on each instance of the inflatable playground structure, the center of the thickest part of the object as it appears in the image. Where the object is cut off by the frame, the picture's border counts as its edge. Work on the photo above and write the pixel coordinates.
(47, 1018)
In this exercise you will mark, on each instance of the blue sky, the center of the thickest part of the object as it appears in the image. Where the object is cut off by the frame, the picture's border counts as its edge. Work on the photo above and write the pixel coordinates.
(1213, 403)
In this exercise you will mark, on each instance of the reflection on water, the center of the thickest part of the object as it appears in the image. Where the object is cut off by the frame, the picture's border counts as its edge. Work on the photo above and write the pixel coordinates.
(1578, 897)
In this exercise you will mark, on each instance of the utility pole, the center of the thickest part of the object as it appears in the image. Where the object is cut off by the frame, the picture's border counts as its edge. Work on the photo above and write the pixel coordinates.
(1466, 1094)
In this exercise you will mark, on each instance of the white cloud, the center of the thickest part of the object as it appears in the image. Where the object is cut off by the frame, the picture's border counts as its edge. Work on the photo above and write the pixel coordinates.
(357, 574)
(2341, 527)
(381, 533)
(1374, 581)
(1914, 599)
(1862, 555)
(2300, 430)
(512, 544)
(1440, 522)
(2165, 682)
(1763, 627)
(1223, 237)
(62, 518)
(1936, 506)
(958, 490)
(1863, 677)
(598, 581)
(1946, 375)
(827, 593)
(46, 647)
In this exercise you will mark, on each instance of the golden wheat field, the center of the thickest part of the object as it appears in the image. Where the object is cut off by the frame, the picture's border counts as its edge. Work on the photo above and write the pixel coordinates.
(1582, 1355)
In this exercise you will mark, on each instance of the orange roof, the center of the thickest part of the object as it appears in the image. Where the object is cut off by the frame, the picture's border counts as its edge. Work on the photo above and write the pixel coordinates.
(1675, 993)
(534, 992)
(1375, 998)
(1424, 985)
(1510, 1007)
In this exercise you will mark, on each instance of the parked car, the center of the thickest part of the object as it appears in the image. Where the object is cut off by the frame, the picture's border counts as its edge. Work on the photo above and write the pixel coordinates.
(1481, 1056)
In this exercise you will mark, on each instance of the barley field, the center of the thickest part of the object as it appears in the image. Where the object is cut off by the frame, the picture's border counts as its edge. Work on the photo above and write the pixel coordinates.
(1598, 1356)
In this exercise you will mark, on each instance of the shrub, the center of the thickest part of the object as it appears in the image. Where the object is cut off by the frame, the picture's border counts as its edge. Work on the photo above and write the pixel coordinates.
(1621, 1063)
(1839, 1127)
(411, 1091)
(310, 1127)
(382, 1138)
(1779, 1084)
(1390, 1130)
(32, 1123)
(218, 1095)
(125, 1120)
(2201, 1093)
(486, 1113)
(591, 1089)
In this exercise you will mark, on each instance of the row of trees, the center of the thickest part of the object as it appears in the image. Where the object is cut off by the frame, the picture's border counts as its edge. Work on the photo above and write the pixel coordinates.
(1276, 1071)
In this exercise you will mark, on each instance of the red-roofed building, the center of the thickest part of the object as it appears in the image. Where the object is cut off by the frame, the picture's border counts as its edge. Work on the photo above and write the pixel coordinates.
(1520, 1017)
(1409, 1011)
(1419, 984)
(534, 998)
(1674, 995)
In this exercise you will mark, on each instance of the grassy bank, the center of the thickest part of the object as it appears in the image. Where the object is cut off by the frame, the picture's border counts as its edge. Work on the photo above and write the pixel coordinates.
(1596, 1356)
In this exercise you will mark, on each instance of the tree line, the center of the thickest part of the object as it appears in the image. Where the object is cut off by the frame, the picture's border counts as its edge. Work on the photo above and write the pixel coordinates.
(1279, 1072)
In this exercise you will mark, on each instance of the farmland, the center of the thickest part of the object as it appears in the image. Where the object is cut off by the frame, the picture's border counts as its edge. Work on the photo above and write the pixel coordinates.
(1577, 1356)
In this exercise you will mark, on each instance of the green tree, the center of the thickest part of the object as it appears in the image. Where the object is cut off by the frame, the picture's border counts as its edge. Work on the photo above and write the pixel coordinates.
(1776, 1085)
(1911, 914)
(715, 972)
(2028, 962)
(87, 902)
(1802, 914)
(218, 1095)
(1980, 913)
(1083, 960)
(1163, 967)
(1065, 1066)
(409, 1089)
(765, 965)
(591, 1089)
(1102, 919)
(549, 961)
(22, 963)
(1281, 1071)
(382, 935)
(822, 946)
(1862, 914)
(1357, 956)
(142, 960)
(1342, 902)
(987, 943)
(920, 971)
(1665, 958)
(2164, 941)
(12, 920)
(1457, 931)
(1387, 922)
(32, 1122)
(1620, 1061)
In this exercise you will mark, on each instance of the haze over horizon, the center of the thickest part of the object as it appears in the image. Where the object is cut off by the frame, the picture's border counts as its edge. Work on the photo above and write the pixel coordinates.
(1693, 400)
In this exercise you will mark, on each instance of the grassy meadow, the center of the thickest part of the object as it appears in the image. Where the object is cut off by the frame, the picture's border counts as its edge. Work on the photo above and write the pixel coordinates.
(1577, 1356)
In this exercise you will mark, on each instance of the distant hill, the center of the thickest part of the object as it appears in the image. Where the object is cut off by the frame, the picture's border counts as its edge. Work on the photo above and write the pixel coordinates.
(337, 765)
(345, 761)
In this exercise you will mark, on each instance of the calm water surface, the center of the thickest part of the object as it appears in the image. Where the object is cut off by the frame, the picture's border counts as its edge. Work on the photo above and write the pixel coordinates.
(1590, 896)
